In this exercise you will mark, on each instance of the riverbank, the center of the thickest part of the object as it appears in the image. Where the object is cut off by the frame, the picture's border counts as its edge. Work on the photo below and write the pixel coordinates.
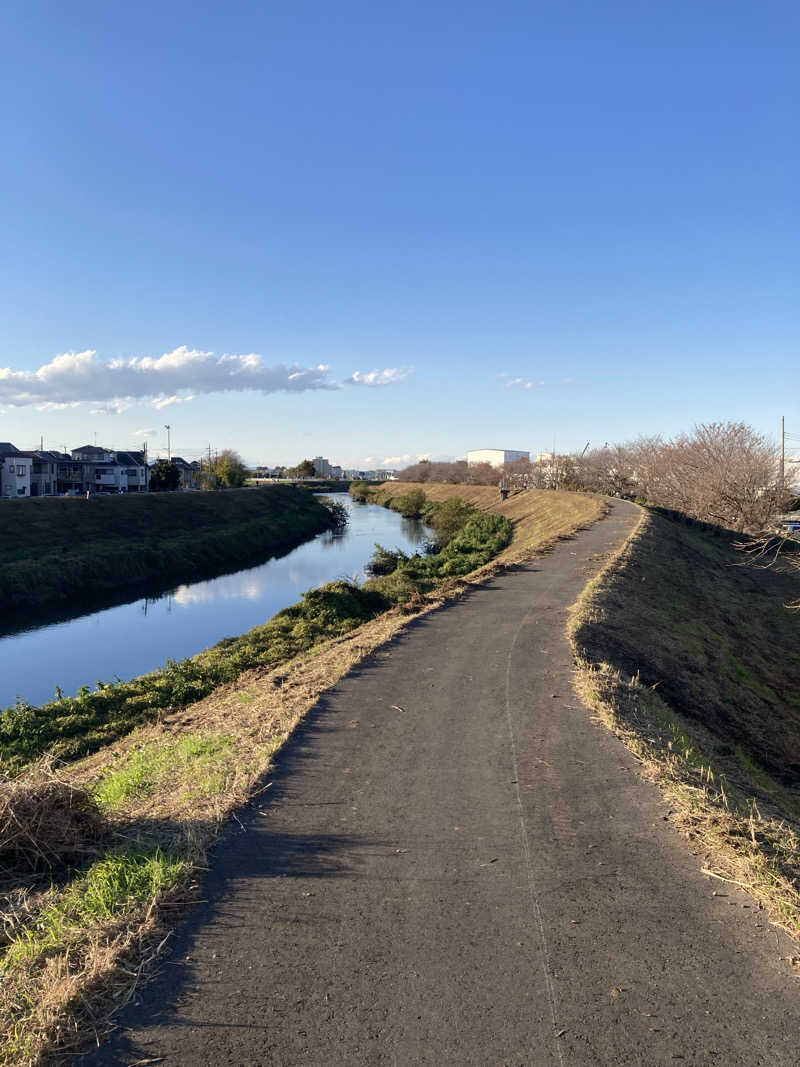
(160, 793)
(52, 549)
(538, 517)
(691, 659)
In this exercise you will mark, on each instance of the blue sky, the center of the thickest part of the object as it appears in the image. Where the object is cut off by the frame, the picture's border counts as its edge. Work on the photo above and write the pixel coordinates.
(436, 203)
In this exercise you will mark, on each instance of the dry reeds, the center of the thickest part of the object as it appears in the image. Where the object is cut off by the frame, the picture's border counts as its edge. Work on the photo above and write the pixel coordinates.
(46, 823)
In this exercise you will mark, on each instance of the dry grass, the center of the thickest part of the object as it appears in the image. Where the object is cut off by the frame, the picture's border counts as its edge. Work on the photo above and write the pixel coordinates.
(736, 814)
(540, 517)
(47, 824)
(159, 799)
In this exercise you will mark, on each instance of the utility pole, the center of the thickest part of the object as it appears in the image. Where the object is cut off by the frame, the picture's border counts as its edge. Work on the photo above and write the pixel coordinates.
(555, 470)
(781, 479)
(169, 445)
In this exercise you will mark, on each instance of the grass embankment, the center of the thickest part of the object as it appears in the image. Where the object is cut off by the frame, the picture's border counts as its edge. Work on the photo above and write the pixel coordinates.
(135, 819)
(55, 548)
(694, 661)
(539, 517)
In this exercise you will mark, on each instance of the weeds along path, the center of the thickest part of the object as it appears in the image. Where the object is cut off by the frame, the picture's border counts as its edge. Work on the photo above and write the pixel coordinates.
(457, 866)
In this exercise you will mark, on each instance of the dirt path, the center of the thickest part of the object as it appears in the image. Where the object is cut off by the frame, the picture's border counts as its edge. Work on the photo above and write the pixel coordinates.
(456, 866)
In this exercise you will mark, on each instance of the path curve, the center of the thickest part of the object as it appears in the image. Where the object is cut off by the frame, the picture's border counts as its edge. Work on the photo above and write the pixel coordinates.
(457, 866)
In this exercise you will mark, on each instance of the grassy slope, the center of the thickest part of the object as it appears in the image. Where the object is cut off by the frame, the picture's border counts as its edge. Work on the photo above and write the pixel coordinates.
(694, 661)
(167, 787)
(53, 548)
(538, 516)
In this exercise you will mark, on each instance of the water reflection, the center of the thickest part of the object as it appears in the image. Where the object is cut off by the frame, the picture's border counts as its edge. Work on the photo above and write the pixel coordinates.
(129, 639)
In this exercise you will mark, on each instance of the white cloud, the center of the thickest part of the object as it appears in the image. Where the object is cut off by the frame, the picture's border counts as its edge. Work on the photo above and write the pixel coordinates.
(145, 433)
(51, 405)
(372, 378)
(77, 377)
(529, 383)
(114, 408)
(168, 401)
(405, 460)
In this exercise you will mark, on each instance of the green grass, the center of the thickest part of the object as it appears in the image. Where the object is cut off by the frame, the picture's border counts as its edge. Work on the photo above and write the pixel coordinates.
(71, 727)
(55, 548)
(195, 763)
(681, 612)
(111, 888)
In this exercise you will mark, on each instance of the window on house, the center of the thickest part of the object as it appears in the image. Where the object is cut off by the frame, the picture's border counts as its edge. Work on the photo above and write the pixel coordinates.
(20, 470)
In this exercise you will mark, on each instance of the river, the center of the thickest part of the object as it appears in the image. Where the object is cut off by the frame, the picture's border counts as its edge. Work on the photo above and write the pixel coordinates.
(136, 637)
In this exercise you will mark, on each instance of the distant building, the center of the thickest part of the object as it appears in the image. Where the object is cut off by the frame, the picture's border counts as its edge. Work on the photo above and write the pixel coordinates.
(86, 470)
(496, 457)
(322, 467)
(15, 472)
(44, 472)
(189, 472)
(102, 470)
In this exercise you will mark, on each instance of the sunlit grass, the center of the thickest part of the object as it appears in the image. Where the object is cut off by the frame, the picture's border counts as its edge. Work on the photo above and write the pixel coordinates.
(113, 886)
(193, 763)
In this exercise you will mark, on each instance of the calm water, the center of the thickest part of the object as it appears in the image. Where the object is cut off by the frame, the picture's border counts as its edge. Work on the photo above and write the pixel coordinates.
(133, 638)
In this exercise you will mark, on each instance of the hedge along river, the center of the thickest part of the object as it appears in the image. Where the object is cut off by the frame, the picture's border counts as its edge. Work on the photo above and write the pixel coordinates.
(134, 638)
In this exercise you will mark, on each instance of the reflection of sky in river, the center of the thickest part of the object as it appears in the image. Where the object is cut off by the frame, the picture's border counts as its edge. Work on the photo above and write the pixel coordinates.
(133, 638)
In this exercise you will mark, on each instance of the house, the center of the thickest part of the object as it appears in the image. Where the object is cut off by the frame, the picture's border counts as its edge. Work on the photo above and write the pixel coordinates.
(135, 473)
(86, 470)
(189, 472)
(44, 472)
(91, 469)
(104, 470)
(15, 472)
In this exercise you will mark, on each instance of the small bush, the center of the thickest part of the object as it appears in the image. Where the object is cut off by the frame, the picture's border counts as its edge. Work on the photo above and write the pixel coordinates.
(448, 518)
(384, 561)
(410, 506)
(360, 491)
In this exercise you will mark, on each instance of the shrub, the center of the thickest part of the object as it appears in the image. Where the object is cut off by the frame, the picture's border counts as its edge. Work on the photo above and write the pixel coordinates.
(448, 518)
(359, 491)
(410, 506)
(384, 561)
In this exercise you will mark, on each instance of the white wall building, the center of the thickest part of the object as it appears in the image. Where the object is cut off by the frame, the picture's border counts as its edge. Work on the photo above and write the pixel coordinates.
(15, 472)
(497, 457)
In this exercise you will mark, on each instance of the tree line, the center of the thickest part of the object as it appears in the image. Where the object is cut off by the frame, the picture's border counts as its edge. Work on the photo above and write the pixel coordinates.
(721, 472)
(225, 470)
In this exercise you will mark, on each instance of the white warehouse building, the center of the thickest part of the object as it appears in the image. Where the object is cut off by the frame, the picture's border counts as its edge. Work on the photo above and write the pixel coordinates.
(497, 457)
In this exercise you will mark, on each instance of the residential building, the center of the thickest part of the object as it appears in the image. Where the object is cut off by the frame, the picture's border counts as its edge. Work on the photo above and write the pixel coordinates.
(135, 473)
(15, 472)
(189, 472)
(86, 470)
(44, 472)
(103, 470)
(496, 457)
